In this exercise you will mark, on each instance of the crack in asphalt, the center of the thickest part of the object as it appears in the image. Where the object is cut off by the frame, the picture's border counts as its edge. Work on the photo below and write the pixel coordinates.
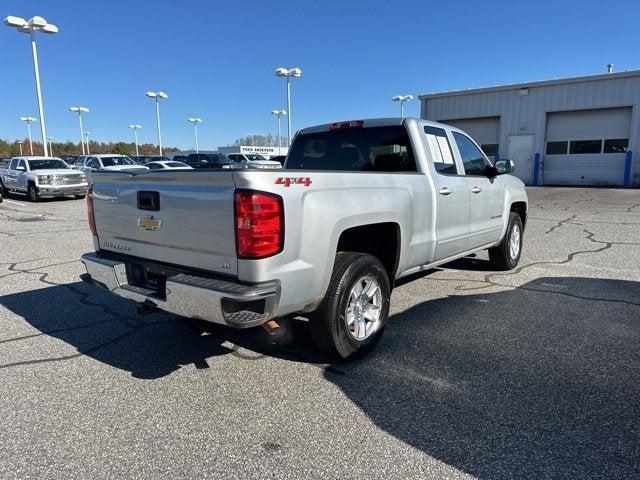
(517, 270)
(561, 223)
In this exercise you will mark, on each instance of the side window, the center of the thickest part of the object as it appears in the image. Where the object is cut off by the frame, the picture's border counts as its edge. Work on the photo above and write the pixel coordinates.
(14, 164)
(153, 166)
(22, 165)
(93, 163)
(440, 151)
(472, 158)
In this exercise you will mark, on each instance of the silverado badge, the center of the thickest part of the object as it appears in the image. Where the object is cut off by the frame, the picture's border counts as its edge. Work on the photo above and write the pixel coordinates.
(149, 223)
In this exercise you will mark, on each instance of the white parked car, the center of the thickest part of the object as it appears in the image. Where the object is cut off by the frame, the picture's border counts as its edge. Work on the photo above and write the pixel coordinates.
(253, 160)
(108, 162)
(39, 177)
(167, 165)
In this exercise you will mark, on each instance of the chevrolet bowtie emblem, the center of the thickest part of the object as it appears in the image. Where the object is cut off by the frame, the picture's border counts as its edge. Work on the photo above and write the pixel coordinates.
(149, 223)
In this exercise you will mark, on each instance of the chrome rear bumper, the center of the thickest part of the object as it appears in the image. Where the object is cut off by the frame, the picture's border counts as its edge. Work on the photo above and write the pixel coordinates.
(214, 300)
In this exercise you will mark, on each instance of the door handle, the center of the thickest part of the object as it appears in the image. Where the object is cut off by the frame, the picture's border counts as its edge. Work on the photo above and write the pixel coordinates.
(476, 189)
(445, 191)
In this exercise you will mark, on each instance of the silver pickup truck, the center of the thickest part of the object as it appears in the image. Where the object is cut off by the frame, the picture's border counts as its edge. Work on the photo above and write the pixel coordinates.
(357, 206)
(39, 177)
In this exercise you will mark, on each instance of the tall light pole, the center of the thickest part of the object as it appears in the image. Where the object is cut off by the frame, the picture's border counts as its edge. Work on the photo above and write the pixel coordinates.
(402, 99)
(288, 73)
(195, 121)
(29, 121)
(157, 96)
(20, 145)
(35, 24)
(279, 113)
(135, 129)
(50, 147)
(86, 136)
(80, 111)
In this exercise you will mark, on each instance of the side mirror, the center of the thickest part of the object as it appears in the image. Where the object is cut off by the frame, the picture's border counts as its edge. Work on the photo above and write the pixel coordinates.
(21, 168)
(504, 167)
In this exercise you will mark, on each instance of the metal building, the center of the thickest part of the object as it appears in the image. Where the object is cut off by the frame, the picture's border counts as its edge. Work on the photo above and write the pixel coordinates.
(571, 131)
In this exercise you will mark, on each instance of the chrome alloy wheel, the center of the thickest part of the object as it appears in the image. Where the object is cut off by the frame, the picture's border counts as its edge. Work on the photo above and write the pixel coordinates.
(362, 315)
(514, 242)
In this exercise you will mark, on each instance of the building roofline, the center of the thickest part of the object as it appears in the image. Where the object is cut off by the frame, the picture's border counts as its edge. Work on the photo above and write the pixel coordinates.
(538, 83)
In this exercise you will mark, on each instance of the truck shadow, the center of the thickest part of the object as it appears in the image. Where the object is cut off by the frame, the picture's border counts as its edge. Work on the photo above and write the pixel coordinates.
(541, 381)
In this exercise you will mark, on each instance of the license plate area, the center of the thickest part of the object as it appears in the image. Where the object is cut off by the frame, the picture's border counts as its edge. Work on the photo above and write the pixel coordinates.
(149, 277)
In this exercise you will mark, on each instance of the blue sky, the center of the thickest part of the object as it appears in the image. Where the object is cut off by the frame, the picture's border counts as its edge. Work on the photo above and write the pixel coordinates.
(216, 59)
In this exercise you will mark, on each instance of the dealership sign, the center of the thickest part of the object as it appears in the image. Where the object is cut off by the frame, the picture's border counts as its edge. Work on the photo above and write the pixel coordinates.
(261, 150)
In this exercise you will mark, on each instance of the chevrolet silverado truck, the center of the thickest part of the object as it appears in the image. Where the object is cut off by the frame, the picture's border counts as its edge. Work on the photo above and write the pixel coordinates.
(357, 206)
(39, 177)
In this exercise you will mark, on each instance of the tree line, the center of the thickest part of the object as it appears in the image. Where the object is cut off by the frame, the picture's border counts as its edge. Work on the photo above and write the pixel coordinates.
(12, 149)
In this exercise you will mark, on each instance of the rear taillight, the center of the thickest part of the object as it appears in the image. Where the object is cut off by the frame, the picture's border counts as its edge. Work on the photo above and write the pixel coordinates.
(259, 224)
(90, 216)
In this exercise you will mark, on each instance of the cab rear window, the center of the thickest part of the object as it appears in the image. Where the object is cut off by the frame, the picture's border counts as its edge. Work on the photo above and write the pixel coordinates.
(374, 149)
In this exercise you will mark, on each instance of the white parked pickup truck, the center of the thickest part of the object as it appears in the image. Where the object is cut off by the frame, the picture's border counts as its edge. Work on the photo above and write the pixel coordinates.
(39, 177)
(358, 205)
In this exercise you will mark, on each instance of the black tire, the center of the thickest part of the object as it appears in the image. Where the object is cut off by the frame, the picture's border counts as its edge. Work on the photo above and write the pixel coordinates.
(500, 256)
(79, 197)
(3, 191)
(32, 193)
(328, 324)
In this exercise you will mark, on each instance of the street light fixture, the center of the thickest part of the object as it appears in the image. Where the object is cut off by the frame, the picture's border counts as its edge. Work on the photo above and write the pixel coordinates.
(80, 111)
(195, 121)
(157, 96)
(86, 135)
(279, 113)
(288, 73)
(402, 99)
(29, 121)
(35, 24)
(135, 129)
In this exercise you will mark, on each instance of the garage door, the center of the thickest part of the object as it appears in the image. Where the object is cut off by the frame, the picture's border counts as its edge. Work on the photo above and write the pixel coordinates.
(586, 147)
(485, 131)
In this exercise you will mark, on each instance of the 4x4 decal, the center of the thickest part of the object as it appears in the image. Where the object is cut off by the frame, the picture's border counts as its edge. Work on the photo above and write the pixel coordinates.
(288, 181)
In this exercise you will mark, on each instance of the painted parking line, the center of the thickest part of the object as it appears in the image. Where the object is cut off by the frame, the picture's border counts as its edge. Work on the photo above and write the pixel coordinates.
(16, 203)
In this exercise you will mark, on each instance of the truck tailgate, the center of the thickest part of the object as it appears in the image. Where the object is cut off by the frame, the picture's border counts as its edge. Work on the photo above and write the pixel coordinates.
(192, 224)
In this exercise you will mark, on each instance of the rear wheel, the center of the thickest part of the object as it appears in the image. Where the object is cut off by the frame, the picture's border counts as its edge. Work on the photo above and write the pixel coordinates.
(354, 312)
(32, 193)
(506, 255)
(3, 191)
(79, 197)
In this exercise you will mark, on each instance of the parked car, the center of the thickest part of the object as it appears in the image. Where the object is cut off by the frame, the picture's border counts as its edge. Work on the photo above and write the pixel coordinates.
(359, 205)
(253, 160)
(108, 162)
(144, 159)
(69, 159)
(39, 177)
(279, 159)
(209, 160)
(168, 165)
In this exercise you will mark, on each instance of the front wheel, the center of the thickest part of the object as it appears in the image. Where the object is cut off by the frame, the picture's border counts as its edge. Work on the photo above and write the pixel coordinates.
(354, 312)
(506, 255)
(32, 192)
(79, 197)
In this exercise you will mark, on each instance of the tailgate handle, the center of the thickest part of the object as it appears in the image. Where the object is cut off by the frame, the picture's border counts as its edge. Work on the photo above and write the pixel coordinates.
(149, 201)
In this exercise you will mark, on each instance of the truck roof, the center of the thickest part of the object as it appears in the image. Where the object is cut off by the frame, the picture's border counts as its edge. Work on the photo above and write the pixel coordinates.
(372, 122)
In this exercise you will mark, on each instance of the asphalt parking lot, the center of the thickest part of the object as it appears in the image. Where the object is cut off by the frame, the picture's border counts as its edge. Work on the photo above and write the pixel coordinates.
(533, 373)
